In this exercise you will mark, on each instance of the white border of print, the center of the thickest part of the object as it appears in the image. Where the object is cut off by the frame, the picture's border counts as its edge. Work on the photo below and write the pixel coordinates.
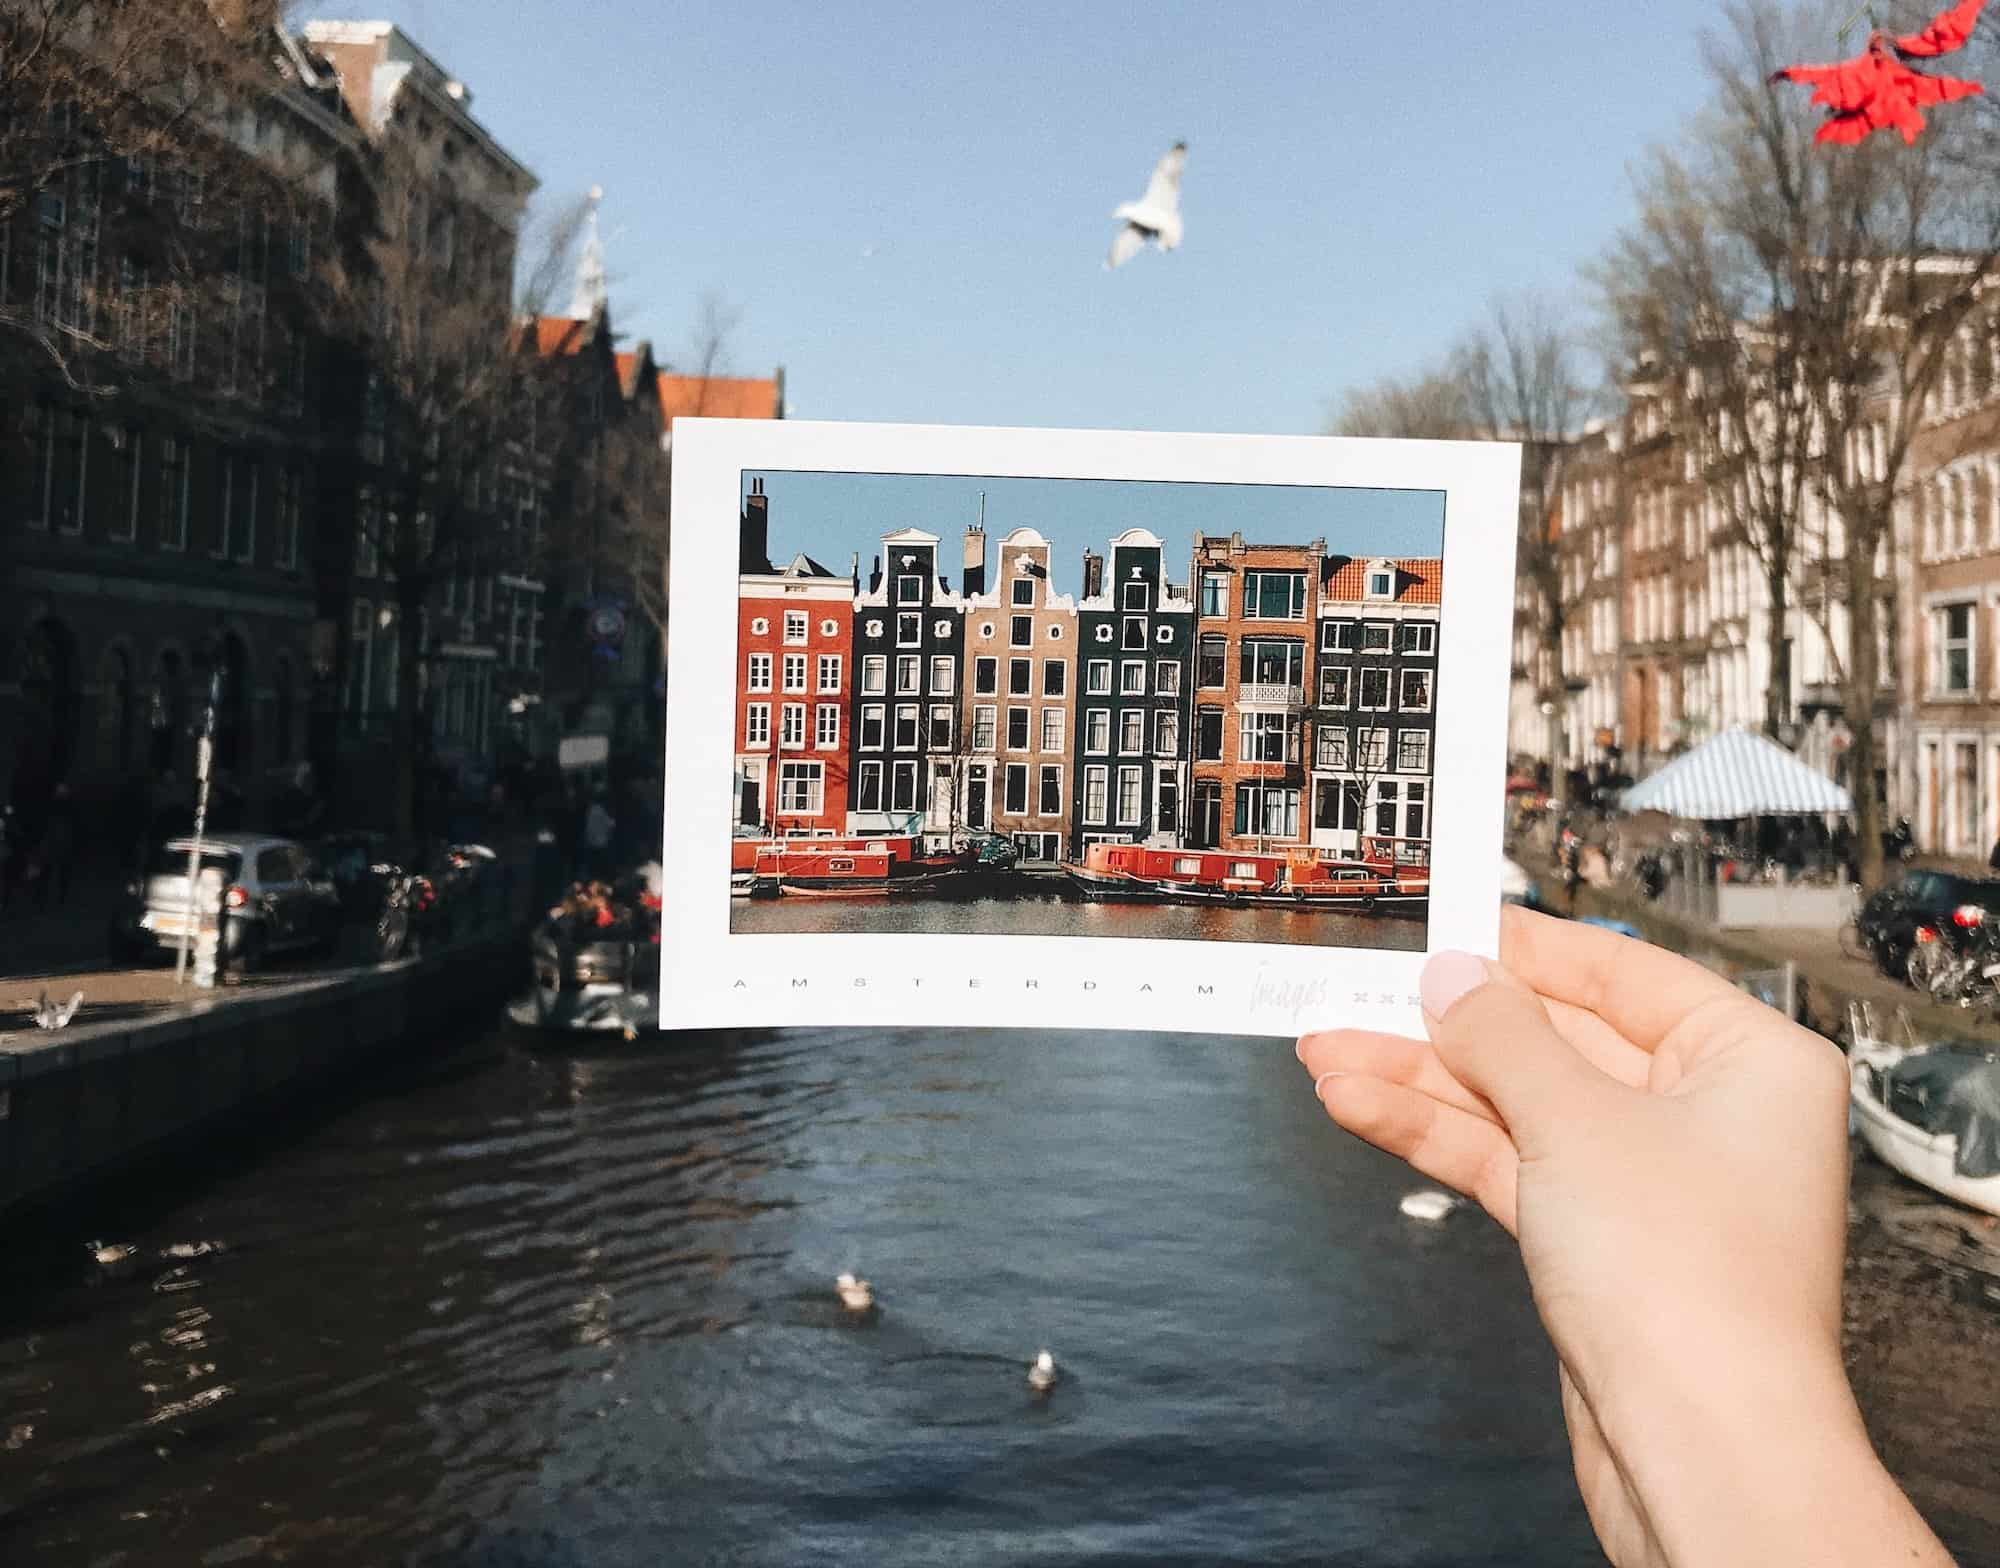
(713, 979)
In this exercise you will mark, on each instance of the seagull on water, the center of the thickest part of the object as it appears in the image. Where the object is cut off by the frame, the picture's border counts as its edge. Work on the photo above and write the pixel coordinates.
(1042, 1375)
(1155, 216)
(855, 1294)
(1429, 1206)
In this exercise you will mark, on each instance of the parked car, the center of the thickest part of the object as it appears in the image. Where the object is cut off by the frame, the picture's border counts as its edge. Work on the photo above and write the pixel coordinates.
(1916, 910)
(276, 897)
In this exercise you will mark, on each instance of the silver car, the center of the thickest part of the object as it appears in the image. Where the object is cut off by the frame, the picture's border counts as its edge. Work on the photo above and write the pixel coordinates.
(275, 898)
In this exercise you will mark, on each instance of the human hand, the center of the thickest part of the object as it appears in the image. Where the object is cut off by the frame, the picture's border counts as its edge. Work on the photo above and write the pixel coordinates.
(1672, 1157)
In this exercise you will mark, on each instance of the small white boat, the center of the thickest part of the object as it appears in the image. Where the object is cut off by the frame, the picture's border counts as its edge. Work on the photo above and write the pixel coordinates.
(1931, 1112)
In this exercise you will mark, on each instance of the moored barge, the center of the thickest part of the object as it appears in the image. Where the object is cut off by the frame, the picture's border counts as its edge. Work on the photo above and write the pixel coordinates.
(1298, 878)
(871, 867)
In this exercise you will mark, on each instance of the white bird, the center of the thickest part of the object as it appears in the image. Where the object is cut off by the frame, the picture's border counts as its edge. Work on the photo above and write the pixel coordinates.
(855, 1294)
(48, 1015)
(1155, 216)
(106, 1254)
(1429, 1206)
(1042, 1375)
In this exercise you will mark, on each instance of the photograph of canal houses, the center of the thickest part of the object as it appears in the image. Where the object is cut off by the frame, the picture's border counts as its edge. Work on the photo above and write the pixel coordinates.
(1084, 707)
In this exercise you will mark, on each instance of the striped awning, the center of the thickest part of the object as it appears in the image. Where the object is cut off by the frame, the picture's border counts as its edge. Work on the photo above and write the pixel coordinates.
(1737, 774)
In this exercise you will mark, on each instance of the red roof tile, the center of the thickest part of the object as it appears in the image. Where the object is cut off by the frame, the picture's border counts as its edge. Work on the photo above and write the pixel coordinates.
(1419, 579)
(559, 334)
(717, 397)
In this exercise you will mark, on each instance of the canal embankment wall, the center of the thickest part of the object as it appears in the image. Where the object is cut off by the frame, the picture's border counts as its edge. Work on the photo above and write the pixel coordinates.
(79, 1106)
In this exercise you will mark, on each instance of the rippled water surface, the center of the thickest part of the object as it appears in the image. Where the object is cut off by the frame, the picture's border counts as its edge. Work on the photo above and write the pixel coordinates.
(523, 1307)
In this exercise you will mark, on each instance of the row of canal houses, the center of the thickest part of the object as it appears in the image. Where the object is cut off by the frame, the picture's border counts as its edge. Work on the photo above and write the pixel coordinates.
(1283, 698)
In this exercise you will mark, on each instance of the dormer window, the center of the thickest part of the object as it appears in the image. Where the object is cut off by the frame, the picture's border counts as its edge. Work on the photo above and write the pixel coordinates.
(1381, 582)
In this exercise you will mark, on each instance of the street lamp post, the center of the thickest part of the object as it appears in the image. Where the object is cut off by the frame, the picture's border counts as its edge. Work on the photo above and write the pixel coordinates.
(203, 759)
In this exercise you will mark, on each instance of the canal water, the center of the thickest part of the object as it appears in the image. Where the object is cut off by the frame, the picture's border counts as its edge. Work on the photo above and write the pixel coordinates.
(526, 1307)
(1051, 913)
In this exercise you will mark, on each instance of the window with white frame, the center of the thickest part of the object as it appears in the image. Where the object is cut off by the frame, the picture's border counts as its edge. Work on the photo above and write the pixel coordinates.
(1381, 582)
(1020, 631)
(944, 677)
(1132, 678)
(941, 717)
(1097, 678)
(874, 674)
(173, 493)
(1055, 678)
(1052, 730)
(1336, 636)
(1336, 683)
(829, 673)
(1372, 749)
(909, 674)
(795, 672)
(1014, 801)
(1274, 596)
(868, 787)
(909, 631)
(1050, 802)
(985, 722)
(757, 724)
(1167, 677)
(1020, 677)
(1096, 789)
(1134, 594)
(1132, 731)
(1375, 637)
(130, 444)
(1214, 593)
(1330, 746)
(906, 726)
(910, 588)
(826, 726)
(1954, 634)
(903, 787)
(1264, 737)
(985, 677)
(1097, 732)
(1413, 751)
(760, 672)
(1166, 733)
(796, 630)
(1374, 690)
(1131, 796)
(1024, 590)
(873, 718)
(1420, 637)
(792, 725)
(1017, 729)
(1416, 693)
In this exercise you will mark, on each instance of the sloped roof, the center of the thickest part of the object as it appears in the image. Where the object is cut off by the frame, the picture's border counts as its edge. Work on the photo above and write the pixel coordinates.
(1737, 774)
(559, 335)
(718, 397)
(629, 361)
(1419, 579)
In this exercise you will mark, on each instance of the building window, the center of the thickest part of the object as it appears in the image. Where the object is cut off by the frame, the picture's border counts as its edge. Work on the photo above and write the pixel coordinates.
(1131, 789)
(829, 674)
(1416, 696)
(792, 725)
(826, 726)
(1373, 745)
(1024, 590)
(1097, 731)
(173, 494)
(131, 452)
(1335, 686)
(757, 724)
(1132, 731)
(1263, 737)
(1055, 678)
(1413, 751)
(1015, 801)
(941, 727)
(760, 672)
(868, 787)
(1381, 582)
(1336, 636)
(1166, 677)
(1267, 811)
(1330, 746)
(291, 502)
(1420, 637)
(1021, 631)
(1135, 594)
(872, 721)
(910, 588)
(1212, 663)
(1020, 677)
(985, 677)
(795, 628)
(906, 727)
(1132, 678)
(909, 674)
(1096, 787)
(1166, 733)
(1375, 638)
(1388, 796)
(903, 787)
(944, 678)
(1954, 624)
(1052, 730)
(1050, 804)
(1134, 634)
(1208, 734)
(1375, 690)
(874, 674)
(1274, 596)
(800, 787)
(1017, 729)
(1097, 678)
(1415, 815)
(795, 672)
(1215, 593)
(984, 720)
(1272, 662)
(909, 631)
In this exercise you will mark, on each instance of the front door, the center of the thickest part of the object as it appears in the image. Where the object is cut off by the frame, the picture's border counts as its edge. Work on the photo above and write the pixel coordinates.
(939, 804)
(1205, 828)
(975, 796)
(752, 814)
(1167, 801)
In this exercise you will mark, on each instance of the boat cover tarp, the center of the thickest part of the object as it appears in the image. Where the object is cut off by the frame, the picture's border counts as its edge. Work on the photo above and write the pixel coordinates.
(1737, 774)
(1956, 1092)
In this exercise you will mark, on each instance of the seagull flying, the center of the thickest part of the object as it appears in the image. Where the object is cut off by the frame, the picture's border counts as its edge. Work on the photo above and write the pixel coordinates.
(50, 1015)
(1155, 216)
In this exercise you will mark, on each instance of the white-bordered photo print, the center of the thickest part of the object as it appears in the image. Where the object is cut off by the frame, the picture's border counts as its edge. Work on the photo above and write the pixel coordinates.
(1079, 728)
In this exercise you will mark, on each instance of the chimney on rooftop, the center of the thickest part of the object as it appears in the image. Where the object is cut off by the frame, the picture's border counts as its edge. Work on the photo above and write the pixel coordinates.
(975, 552)
(1093, 574)
(875, 575)
(854, 571)
(753, 545)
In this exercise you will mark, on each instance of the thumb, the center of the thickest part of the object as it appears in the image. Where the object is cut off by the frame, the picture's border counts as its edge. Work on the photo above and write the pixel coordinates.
(1495, 1037)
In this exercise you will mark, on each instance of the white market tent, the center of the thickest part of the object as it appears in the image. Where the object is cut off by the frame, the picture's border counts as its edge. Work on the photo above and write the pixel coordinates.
(1737, 774)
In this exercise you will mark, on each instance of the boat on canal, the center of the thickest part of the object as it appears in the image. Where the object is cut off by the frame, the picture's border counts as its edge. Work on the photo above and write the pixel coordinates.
(1294, 879)
(1929, 1111)
(868, 867)
(596, 961)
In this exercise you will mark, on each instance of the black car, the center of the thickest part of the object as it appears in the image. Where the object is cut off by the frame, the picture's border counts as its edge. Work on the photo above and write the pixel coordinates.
(1920, 901)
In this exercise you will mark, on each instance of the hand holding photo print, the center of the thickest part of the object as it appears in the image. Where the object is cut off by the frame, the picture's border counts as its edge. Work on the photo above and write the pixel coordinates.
(1080, 728)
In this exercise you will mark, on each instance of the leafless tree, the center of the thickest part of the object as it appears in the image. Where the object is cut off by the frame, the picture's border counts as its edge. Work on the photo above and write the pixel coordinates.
(1431, 405)
(124, 108)
(1808, 296)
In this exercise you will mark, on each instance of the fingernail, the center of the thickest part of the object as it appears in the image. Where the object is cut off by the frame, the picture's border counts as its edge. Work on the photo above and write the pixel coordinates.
(1319, 1085)
(1446, 978)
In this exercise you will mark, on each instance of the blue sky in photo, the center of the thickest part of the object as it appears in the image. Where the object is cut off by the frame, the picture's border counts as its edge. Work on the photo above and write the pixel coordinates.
(910, 202)
(831, 516)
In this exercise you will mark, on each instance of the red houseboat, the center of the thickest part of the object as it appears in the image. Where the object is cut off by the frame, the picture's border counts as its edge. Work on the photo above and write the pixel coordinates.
(864, 867)
(1301, 877)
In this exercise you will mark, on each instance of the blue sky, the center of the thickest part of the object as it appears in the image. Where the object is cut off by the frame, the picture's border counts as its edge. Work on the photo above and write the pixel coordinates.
(831, 516)
(910, 203)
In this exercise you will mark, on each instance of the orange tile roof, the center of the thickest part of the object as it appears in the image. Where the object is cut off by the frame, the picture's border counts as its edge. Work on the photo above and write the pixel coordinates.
(558, 334)
(717, 397)
(1419, 579)
(628, 371)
